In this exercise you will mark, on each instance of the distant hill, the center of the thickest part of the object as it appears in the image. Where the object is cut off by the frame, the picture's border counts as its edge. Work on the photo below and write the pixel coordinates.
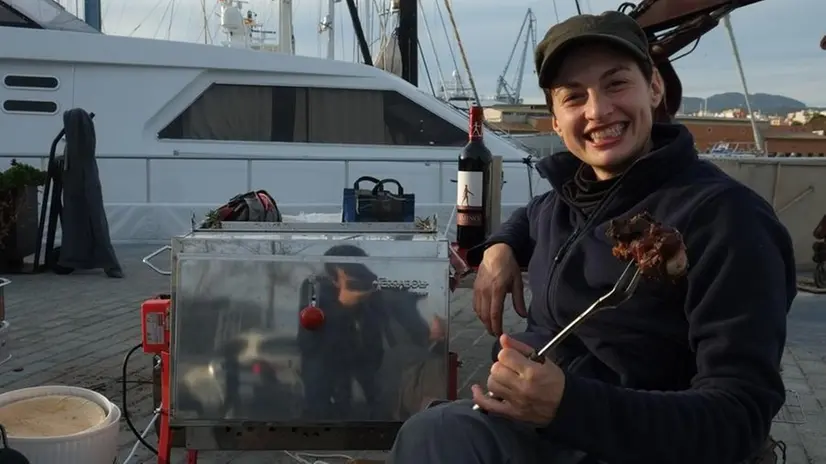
(763, 102)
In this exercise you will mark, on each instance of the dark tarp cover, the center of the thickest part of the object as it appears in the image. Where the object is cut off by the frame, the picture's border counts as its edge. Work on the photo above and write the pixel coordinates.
(85, 240)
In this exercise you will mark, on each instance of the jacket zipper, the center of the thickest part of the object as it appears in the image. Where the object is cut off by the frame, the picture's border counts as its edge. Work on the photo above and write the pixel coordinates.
(562, 255)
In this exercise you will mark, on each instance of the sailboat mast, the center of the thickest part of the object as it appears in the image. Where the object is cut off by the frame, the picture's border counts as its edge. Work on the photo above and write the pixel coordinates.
(408, 36)
(92, 14)
(285, 27)
(331, 33)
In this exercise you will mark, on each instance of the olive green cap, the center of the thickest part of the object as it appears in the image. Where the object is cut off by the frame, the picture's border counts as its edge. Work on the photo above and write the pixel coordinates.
(611, 27)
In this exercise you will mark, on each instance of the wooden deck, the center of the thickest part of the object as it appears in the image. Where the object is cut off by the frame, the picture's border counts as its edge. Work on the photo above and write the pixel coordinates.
(75, 330)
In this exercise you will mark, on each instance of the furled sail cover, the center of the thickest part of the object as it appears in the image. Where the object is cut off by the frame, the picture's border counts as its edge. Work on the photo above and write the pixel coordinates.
(389, 57)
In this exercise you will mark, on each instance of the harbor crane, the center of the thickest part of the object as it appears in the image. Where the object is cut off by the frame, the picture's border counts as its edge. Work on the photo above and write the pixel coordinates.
(511, 93)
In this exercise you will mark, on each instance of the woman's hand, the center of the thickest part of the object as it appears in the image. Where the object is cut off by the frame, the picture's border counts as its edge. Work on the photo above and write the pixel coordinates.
(498, 275)
(522, 389)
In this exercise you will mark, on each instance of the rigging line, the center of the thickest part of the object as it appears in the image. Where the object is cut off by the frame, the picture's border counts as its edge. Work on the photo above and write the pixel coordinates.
(160, 21)
(268, 16)
(148, 15)
(462, 51)
(121, 12)
(426, 70)
(384, 17)
(171, 15)
(205, 22)
(432, 45)
(204, 30)
(578, 8)
(105, 10)
(556, 12)
(373, 39)
(209, 36)
(341, 35)
(319, 22)
(447, 37)
(214, 31)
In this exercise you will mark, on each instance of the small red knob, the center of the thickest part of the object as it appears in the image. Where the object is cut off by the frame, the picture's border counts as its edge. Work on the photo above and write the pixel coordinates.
(311, 318)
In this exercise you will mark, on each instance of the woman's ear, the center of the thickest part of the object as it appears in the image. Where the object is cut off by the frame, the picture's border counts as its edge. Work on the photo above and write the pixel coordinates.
(657, 90)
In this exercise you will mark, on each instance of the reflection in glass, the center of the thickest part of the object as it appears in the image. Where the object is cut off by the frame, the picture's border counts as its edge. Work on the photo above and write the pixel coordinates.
(240, 353)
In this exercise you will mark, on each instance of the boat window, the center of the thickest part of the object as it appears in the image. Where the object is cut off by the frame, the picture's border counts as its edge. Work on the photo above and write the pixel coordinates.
(29, 106)
(30, 82)
(11, 18)
(311, 115)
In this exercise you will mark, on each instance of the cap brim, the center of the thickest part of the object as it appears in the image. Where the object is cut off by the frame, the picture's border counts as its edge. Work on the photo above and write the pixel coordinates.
(553, 60)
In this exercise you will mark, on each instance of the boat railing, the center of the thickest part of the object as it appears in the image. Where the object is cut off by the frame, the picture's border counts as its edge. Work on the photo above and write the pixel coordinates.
(735, 148)
(445, 194)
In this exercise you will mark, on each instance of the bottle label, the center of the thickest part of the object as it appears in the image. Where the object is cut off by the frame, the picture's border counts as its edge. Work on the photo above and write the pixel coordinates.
(470, 198)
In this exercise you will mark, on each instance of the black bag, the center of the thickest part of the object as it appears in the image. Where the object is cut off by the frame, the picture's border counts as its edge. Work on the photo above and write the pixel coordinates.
(377, 204)
(255, 206)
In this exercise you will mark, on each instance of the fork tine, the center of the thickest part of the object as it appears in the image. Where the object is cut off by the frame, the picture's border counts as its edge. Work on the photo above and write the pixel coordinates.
(626, 278)
(635, 280)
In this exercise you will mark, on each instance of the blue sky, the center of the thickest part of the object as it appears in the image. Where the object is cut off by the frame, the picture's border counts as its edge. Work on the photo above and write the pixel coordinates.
(778, 39)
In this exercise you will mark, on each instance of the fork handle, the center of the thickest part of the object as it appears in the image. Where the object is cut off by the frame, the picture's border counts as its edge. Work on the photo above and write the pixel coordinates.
(537, 358)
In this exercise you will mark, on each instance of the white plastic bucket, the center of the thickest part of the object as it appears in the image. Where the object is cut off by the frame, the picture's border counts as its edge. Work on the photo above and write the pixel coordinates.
(97, 445)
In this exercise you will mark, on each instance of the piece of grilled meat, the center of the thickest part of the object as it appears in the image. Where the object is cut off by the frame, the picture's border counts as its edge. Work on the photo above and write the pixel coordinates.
(657, 249)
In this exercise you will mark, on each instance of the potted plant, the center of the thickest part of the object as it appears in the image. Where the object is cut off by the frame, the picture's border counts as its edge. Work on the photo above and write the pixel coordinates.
(18, 213)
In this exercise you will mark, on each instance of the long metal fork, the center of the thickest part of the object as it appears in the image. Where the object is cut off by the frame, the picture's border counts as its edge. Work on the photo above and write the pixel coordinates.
(622, 291)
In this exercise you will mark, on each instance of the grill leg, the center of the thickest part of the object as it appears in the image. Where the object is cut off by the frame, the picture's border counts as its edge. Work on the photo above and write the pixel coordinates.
(453, 376)
(165, 437)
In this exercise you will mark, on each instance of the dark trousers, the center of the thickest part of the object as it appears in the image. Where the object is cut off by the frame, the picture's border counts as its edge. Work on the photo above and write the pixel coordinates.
(455, 433)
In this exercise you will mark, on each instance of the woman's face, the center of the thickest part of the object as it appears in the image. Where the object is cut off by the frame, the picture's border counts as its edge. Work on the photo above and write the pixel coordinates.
(350, 291)
(603, 106)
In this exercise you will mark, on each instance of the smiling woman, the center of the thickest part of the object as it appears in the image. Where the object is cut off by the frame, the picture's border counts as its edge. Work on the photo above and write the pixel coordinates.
(603, 91)
(665, 376)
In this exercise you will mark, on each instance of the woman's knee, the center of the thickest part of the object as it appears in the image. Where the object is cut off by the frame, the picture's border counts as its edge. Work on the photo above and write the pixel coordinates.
(435, 419)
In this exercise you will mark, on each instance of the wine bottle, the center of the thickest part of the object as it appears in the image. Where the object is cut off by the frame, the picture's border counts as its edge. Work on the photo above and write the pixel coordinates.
(472, 184)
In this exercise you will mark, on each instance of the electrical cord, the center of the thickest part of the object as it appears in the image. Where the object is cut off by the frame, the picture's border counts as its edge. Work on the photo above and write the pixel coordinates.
(137, 443)
(300, 457)
(126, 417)
(316, 458)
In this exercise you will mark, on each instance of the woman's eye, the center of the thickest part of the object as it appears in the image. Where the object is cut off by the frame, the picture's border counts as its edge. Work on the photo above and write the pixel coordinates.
(572, 98)
(616, 84)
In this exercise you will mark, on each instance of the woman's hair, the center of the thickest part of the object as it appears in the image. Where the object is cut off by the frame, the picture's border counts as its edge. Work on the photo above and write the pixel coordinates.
(356, 271)
(673, 93)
